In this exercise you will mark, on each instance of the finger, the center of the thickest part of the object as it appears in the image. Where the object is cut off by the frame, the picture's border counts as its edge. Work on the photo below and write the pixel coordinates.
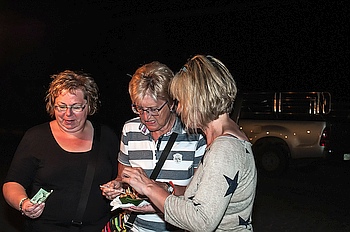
(41, 206)
(105, 187)
(126, 180)
(119, 191)
(125, 176)
(132, 171)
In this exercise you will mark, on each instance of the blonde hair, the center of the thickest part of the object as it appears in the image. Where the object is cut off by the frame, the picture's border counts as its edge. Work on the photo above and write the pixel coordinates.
(205, 89)
(72, 81)
(151, 79)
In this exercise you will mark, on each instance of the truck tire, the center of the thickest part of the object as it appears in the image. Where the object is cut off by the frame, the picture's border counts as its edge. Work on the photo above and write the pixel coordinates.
(271, 161)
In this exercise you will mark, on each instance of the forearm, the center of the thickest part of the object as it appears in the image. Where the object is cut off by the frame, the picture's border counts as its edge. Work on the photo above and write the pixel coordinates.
(157, 195)
(13, 193)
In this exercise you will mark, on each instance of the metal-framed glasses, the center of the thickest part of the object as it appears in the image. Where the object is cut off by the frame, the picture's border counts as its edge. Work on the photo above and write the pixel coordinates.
(150, 110)
(74, 108)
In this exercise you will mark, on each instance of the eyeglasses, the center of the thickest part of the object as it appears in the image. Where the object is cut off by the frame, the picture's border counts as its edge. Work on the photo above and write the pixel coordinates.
(152, 111)
(74, 108)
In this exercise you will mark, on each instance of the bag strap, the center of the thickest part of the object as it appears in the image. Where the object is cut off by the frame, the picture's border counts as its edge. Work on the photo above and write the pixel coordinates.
(89, 176)
(163, 157)
(154, 174)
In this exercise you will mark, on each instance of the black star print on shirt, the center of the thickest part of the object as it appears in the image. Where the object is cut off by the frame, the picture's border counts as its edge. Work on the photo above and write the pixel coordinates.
(243, 222)
(194, 203)
(232, 184)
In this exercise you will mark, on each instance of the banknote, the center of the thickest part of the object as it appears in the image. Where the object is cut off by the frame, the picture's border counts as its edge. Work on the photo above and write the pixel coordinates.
(40, 196)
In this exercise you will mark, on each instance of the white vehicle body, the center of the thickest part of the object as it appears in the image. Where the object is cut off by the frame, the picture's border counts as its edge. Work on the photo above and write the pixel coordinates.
(283, 126)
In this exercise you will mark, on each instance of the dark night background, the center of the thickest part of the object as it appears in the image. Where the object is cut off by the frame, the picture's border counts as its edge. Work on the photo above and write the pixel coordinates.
(279, 45)
(268, 45)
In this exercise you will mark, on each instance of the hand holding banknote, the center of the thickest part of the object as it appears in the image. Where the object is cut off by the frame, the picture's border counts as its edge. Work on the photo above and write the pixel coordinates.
(34, 207)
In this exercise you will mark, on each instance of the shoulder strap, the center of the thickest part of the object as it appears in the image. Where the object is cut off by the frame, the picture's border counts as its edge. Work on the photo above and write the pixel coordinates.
(163, 157)
(154, 174)
(89, 176)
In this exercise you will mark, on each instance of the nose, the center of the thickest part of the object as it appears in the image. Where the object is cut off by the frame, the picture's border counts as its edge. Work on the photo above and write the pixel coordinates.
(69, 111)
(146, 114)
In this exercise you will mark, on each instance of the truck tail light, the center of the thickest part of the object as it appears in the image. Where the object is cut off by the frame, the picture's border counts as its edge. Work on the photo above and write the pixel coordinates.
(324, 141)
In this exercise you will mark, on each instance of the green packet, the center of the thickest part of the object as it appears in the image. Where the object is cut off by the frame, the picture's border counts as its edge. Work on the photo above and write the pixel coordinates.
(40, 196)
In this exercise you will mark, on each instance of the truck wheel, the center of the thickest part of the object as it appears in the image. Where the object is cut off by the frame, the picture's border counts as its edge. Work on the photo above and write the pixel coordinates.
(272, 161)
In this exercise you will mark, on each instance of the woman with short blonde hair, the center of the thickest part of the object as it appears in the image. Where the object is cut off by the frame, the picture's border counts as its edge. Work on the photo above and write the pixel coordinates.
(221, 194)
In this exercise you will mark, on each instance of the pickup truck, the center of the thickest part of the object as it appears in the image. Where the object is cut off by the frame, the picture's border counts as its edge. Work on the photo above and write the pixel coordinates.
(284, 126)
(339, 121)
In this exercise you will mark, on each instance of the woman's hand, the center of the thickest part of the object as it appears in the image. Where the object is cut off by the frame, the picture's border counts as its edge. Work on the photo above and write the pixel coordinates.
(136, 178)
(141, 209)
(32, 210)
(112, 189)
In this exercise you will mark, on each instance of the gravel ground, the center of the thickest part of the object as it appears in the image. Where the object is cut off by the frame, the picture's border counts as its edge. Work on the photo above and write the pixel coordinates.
(313, 197)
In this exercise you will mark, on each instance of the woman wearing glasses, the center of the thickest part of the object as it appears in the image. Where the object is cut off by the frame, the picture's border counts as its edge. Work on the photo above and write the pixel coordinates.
(144, 138)
(221, 194)
(56, 155)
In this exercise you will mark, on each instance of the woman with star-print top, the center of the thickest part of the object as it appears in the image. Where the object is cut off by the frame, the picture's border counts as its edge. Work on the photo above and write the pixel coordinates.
(221, 194)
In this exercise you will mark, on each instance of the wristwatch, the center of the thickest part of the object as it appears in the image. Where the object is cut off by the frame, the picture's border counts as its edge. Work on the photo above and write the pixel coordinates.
(171, 187)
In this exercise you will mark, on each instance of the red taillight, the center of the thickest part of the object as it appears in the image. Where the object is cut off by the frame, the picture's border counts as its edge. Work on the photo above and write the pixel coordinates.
(324, 137)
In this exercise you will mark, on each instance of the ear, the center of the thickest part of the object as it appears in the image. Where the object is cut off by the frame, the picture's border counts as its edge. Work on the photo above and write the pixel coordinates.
(173, 106)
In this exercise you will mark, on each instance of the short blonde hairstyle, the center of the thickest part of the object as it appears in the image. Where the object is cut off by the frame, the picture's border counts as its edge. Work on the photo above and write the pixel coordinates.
(72, 81)
(151, 79)
(205, 89)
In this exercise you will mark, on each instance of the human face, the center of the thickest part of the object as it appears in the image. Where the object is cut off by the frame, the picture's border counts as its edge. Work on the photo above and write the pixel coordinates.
(155, 123)
(69, 120)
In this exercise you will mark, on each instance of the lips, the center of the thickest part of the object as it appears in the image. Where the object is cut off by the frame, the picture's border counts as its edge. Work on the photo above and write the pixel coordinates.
(150, 122)
(69, 122)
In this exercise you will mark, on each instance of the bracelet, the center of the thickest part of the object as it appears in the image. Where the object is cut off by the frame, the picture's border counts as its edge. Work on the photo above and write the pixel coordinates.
(21, 204)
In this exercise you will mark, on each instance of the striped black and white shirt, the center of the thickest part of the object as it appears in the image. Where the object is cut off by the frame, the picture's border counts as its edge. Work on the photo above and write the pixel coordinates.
(138, 149)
